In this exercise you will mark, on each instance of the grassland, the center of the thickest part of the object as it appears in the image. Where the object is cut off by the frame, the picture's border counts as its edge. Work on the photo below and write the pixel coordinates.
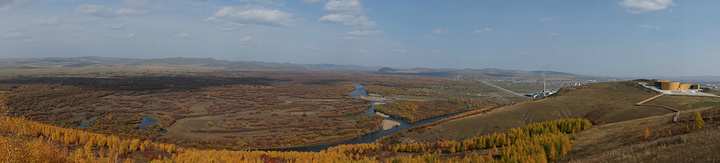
(667, 142)
(523, 88)
(685, 103)
(433, 88)
(413, 111)
(712, 91)
(601, 103)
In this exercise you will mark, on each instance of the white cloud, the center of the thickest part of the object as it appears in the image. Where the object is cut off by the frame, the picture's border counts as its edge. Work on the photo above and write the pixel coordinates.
(545, 19)
(129, 12)
(553, 34)
(350, 38)
(346, 12)
(349, 20)
(181, 35)
(310, 47)
(398, 51)
(114, 26)
(519, 51)
(479, 31)
(344, 6)
(232, 26)
(10, 4)
(364, 33)
(311, 1)
(95, 10)
(640, 6)
(359, 50)
(129, 35)
(106, 12)
(441, 31)
(135, 3)
(244, 39)
(50, 21)
(259, 1)
(647, 26)
(15, 36)
(249, 14)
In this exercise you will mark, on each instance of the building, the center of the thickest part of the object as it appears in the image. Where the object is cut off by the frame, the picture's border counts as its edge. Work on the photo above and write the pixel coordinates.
(667, 85)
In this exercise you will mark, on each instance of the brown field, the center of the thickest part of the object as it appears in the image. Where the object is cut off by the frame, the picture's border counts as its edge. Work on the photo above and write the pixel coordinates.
(203, 110)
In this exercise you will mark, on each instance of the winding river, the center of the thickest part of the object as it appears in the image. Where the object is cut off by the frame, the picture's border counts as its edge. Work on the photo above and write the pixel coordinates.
(147, 121)
(369, 138)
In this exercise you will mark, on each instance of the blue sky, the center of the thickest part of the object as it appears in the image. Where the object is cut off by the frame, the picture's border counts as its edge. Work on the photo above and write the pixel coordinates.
(607, 38)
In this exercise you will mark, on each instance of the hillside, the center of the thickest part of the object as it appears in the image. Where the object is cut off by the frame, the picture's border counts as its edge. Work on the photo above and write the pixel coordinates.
(601, 103)
(666, 141)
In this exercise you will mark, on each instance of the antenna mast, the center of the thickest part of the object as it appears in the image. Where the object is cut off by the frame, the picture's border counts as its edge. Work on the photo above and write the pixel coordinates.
(544, 84)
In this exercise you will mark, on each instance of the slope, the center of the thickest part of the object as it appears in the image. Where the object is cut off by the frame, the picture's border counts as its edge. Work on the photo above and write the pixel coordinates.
(599, 102)
(666, 141)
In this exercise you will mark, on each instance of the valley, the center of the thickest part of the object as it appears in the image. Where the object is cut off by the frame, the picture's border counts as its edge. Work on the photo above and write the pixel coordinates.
(364, 116)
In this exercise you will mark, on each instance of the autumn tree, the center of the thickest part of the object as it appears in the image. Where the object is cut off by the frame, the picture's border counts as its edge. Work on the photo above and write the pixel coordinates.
(699, 122)
(647, 133)
(4, 109)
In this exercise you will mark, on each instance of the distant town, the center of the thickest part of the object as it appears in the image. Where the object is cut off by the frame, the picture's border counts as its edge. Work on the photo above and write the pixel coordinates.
(571, 82)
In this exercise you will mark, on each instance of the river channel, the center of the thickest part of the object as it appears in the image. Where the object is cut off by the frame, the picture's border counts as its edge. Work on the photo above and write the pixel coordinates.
(147, 121)
(369, 138)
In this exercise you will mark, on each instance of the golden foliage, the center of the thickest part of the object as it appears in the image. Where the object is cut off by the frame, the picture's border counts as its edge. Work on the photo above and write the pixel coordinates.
(13, 149)
(539, 142)
(698, 121)
(4, 109)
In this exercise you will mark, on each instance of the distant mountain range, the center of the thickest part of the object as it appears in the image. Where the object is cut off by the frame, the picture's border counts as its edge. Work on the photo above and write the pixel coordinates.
(210, 63)
(488, 72)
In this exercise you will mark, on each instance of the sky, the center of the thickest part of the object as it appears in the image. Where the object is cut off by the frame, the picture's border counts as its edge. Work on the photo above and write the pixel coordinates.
(602, 38)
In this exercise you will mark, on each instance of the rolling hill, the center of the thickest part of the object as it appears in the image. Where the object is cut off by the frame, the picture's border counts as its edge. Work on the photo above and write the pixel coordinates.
(601, 103)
